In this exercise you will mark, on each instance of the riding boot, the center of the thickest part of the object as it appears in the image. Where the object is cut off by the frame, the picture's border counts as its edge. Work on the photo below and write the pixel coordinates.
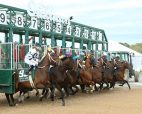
(30, 69)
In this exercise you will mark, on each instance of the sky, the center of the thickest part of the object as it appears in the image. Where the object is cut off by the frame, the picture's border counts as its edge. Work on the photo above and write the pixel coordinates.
(120, 19)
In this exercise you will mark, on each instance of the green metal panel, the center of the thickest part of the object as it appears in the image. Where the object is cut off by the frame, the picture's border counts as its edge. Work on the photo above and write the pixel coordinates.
(7, 81)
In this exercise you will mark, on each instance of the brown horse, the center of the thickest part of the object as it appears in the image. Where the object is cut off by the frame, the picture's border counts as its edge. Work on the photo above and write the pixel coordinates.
(86, 74)
(40, 81)
(109, 75)
(120, 71)
(60, 77)
(97, 76)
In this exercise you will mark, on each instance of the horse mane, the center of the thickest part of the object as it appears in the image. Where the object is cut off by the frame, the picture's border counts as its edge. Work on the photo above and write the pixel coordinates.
(43, 57)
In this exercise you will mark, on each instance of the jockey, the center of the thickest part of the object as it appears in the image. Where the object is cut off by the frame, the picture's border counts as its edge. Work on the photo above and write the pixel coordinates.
(117, 58)
(93, 60)
(75, 58)
(103, 59)
(32, 57)
(68, 54)
(82, 54)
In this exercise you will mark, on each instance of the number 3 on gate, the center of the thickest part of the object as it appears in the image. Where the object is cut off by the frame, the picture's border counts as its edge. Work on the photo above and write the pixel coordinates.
(3, 17)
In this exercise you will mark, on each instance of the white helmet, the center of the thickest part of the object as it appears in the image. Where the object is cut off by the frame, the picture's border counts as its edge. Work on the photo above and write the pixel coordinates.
(105, 54)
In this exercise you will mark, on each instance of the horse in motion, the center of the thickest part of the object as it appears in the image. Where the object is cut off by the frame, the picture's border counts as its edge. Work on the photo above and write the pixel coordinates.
(121, 66)
(61, 77)
(40, 80)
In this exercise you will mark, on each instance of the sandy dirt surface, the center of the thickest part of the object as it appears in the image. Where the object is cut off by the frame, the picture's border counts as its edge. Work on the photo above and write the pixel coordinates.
(120, 100)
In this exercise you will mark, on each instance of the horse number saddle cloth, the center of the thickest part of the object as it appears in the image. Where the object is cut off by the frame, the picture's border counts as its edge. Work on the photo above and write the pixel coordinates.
(24, 77)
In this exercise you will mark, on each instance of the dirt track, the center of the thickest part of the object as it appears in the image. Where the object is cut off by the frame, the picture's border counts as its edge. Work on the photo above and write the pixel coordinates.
(117, 101)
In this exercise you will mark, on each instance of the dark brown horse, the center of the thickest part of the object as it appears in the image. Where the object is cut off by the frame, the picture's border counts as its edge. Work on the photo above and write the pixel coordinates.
(97, 76)
(109, 75)
(120, 71)
(61, 77)
(40, 81)
(86, 74)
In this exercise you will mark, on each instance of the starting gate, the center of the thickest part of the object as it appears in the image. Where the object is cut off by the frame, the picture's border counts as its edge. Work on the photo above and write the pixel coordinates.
(20, 24)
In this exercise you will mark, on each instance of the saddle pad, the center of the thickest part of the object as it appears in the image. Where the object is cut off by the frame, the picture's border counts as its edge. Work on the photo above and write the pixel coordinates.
(22, 76)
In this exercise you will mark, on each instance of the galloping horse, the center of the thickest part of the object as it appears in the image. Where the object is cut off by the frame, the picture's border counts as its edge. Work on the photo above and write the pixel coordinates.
(86, 74)
(60, 77)
(97, 76)
(108, 75)
(120, 71)
(40, 81)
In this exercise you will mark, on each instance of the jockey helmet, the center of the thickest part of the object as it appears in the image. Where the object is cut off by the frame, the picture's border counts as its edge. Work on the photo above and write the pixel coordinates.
(49, 48)
(61, 57)
(68, 54)
(104, 54)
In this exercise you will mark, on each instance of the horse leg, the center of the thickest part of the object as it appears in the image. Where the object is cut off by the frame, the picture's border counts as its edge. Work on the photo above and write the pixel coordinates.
(20, 97)
(8, 99)
(62, 94)
(101, 86)
(82, 86)
(52, 89)
(74, 92)
(37, 92)
(112, 84)
(96, 89)
(107, 85)
(66, 91)
(28, 95)
(44, 94)
(91, 88)
(125, 81)
(12, 99)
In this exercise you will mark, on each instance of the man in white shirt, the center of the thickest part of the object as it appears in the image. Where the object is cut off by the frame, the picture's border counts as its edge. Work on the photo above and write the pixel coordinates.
(32, 57)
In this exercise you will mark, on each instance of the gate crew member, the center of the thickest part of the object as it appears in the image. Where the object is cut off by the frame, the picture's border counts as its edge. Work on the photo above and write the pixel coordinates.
(32, 57)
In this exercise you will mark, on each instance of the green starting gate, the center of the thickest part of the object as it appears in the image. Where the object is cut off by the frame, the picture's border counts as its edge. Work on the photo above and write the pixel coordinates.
(124, 55)
(20, 24)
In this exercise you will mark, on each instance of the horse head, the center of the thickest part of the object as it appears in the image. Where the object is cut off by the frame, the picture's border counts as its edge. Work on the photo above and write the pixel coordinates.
(126, 65)
(47, 59)
(68, 62)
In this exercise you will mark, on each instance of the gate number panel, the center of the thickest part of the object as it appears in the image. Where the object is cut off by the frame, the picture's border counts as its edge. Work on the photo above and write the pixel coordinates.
(3, 17)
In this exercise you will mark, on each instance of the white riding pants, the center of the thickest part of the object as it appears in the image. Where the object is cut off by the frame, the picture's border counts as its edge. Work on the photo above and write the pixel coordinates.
(31, 62)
